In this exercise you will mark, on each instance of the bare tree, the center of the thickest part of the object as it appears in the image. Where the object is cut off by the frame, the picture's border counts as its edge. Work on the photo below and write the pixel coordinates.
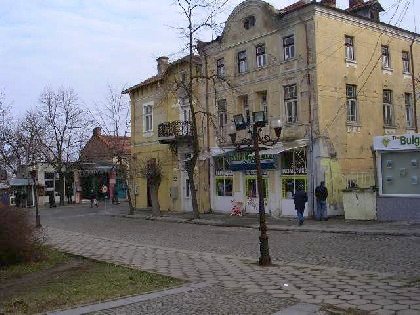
(151, 170)
(198, 14)
(66, 129)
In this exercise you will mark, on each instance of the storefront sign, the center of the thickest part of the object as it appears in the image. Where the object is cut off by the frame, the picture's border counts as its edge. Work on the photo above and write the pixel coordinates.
(291, 171)
(397, 143)
(245, 161)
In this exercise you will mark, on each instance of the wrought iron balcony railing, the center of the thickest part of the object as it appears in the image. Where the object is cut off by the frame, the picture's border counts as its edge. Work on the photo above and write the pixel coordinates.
(173, 131)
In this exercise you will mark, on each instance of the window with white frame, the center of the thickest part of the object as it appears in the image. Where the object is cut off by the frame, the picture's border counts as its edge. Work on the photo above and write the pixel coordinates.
(351, 96)
(264, 104)
(386, 58)
(222, 113)
(387, 108)
(147, 117)
(290, 102)
(261, 56)
(406, 62)
(220, 65)
(289, 47)
(349, 48)
(409, 110)
(242, 63)
(245, 106)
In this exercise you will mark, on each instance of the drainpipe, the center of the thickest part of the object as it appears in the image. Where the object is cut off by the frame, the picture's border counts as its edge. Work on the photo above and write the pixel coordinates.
(311, 137)
(413, 82)
(208, 131)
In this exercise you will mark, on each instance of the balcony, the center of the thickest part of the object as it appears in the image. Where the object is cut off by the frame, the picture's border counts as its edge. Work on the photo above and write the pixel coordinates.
(174, 131)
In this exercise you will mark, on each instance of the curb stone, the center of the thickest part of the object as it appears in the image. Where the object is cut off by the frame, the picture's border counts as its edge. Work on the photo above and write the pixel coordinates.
(275, 227)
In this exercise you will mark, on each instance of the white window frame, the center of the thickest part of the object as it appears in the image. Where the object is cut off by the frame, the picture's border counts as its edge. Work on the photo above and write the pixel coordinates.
(290, 103)
(409, 110)
(386, 57)
(148, 118)
(405, 56)
(352, 106)
(264, 104)
(222, 113)
(261, 56)
(242, 62)
(220, 67)
(288, 48)
(388, 112)
(349, 47)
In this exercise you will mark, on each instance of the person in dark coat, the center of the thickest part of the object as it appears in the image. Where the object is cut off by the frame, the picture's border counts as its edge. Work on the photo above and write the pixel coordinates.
(321, 194)
(300, 199)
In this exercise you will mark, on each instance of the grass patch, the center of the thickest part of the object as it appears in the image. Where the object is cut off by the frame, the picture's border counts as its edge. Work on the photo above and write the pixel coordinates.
(334, 310)
(61, 280)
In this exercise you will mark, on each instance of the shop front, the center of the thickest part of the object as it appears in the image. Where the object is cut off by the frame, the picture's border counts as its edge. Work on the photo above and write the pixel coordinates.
(234, 179)
(398, 177)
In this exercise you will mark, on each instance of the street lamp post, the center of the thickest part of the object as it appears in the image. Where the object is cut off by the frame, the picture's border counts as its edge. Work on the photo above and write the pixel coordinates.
(259, 121)
(37, 216)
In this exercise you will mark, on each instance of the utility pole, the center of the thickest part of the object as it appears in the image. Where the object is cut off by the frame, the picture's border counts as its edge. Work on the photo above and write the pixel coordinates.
(413, 82)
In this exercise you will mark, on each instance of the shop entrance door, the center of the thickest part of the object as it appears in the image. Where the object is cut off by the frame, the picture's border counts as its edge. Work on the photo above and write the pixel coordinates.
(251, 193)
(290, 184)
(186, 193)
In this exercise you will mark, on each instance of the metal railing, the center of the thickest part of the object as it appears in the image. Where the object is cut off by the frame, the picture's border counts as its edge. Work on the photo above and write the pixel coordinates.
(174, 129)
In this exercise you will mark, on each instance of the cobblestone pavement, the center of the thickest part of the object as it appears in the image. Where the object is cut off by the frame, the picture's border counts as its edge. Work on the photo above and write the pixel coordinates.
(210, 300)
(380, 293)
(390, 254)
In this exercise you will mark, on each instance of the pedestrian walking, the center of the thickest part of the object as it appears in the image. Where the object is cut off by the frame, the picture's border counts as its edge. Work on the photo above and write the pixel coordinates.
(93, 200)
(321, 194)
(300, 198)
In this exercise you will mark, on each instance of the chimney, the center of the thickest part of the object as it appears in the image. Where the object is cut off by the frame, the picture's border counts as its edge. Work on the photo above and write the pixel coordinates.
(162, 64)
(355, 3)
(97, 131)
(329, 3)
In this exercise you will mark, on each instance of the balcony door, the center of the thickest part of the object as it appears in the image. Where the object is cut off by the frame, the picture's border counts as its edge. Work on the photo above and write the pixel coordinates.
(185, 110)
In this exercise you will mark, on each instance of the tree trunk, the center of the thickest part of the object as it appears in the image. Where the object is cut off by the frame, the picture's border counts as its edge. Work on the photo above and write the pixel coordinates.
(190, 171)
(130, 202)
(154, 189)
(61, 188)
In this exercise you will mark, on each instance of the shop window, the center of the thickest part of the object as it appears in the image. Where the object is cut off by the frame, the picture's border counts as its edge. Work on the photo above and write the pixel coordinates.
(221, 165)
(400, 173)
(251, 187)
(49, 181)
(291, 184)
(224, 186)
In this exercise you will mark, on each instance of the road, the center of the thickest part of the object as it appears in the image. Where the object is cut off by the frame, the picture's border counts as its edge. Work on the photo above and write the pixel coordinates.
(399, 255)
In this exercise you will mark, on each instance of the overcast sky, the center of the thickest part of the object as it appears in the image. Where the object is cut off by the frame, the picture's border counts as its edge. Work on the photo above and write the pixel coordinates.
(87, 44)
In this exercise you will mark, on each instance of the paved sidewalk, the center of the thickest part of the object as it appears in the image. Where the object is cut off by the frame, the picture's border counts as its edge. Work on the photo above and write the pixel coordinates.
(333, 225)
(377, 292)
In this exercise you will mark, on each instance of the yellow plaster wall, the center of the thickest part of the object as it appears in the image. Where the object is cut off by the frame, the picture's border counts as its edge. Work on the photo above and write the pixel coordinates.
(353, 142)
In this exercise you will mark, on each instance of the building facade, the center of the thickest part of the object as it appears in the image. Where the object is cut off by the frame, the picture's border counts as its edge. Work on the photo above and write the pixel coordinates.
(99, 165)
(336, 78)
(161, 130)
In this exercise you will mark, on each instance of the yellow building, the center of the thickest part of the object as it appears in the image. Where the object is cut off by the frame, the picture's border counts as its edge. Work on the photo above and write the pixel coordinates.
(161, 130)
(336, 78)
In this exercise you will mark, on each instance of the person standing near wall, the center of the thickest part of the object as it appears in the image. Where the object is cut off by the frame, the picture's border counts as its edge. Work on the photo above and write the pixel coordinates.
(321, 194)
